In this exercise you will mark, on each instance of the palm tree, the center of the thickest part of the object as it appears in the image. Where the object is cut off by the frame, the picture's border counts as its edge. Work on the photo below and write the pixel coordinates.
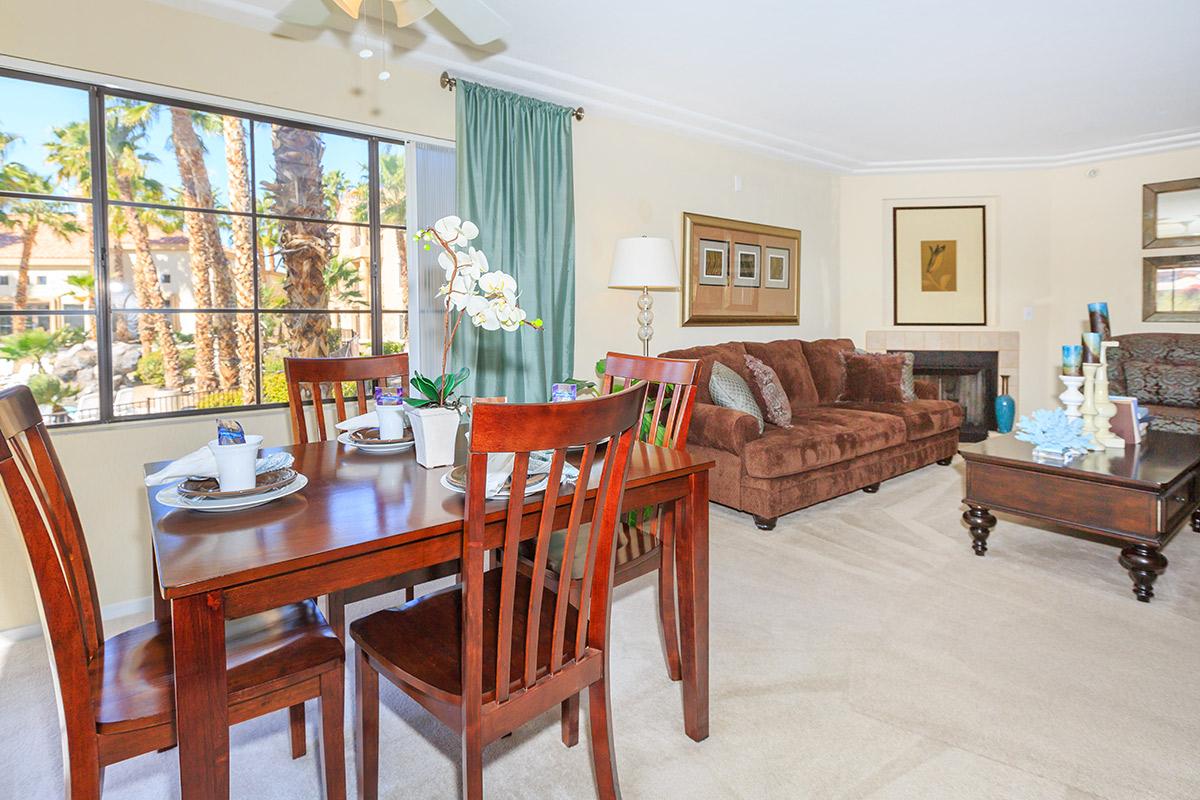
(126, 124)
(28, 217)
(392, 201)
(238, 169)
(298, 191)
(83, 291)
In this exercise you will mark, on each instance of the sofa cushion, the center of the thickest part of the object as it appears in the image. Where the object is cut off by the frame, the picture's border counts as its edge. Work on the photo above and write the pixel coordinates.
(771, 397)
(1163, 384)
(824, 358)
(1163, 348)
(820, 436)
(786, 357)
(1174, 419)
(721, 428)
(922, 418)
(730, 390)
(731, 354)
(874, 377)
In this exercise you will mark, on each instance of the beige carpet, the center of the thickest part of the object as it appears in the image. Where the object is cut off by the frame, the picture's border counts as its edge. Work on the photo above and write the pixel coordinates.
(858, 651)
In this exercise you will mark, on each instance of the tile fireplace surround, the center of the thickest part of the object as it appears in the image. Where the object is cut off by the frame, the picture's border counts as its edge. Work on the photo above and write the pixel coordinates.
(1006, 344)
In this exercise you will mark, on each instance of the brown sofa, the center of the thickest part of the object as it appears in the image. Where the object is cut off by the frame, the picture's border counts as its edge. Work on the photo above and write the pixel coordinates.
(833, 447)
(1162, 370)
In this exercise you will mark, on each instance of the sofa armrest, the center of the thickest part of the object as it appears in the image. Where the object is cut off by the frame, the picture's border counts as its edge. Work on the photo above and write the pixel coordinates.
(925, 390)
(721, 428)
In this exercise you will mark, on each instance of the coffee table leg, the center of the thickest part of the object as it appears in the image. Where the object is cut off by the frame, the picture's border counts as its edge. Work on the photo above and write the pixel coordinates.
(1145, 564)
(981, 524)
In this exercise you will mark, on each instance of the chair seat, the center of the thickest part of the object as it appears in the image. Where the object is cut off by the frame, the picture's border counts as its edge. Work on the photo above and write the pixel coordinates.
(134, 676)
(633, 545)
(421, 641)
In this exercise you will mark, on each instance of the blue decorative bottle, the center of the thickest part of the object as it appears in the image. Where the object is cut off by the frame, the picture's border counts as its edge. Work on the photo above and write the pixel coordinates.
(1006, 409)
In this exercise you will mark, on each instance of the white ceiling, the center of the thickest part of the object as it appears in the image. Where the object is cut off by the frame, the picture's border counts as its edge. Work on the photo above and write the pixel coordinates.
(856, 85)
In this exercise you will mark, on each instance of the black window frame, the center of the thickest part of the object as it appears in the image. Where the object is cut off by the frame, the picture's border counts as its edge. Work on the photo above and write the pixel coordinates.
(101, 204)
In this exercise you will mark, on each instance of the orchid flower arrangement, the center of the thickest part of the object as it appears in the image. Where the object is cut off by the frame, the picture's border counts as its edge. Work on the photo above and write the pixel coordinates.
(486, 297)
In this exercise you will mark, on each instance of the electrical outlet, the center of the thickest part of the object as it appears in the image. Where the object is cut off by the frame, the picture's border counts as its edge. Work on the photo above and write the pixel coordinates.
(1028, 313)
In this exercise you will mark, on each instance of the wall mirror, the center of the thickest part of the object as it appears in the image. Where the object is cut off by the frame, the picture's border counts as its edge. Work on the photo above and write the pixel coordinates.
(1171, 213)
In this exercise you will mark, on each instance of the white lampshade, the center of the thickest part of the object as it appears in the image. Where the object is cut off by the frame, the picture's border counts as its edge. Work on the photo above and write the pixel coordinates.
(644, 262)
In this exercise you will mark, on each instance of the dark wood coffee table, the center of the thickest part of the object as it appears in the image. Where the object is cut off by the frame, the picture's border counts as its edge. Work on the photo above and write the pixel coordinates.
(1140, 495)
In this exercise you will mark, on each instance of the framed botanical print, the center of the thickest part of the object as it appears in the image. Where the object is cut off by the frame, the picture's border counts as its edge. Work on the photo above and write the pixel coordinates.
(739, 273)
(939, 264)
(714, 263)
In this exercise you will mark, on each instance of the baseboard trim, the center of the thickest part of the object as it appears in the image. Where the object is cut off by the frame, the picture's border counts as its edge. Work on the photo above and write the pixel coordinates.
(126, 608)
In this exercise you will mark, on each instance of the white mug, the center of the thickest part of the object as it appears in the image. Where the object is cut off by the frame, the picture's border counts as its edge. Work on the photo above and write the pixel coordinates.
(391, 422)
(236, 463)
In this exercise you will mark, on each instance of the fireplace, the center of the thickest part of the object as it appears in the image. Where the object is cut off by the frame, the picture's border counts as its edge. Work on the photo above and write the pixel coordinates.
(967, 377)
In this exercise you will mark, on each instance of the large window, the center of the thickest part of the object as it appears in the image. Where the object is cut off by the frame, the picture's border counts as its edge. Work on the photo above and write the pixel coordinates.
(159, 257)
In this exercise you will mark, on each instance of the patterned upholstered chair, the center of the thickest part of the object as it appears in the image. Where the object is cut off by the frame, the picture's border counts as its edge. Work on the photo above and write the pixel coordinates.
(1162, 370)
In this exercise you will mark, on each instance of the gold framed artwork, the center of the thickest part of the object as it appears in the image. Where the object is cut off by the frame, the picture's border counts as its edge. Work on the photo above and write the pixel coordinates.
(939, 265)
(1171, 213)
(739, 273)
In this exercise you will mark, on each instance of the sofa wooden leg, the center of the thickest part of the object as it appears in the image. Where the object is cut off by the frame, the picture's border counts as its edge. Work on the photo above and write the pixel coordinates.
(872, 489)
(945, 462)
(765, 523)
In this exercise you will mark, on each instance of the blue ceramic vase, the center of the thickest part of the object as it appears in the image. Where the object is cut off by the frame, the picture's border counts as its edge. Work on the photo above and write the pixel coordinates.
(1006, 408)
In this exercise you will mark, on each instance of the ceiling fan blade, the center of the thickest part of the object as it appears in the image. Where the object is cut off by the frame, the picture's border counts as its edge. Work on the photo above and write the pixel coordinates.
(474, 18)
(409, 11)
(310, 13)
(349, 6)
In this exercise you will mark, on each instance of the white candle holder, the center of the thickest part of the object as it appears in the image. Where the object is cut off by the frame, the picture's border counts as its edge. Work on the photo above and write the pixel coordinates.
(1071, 397)
(1088, 409)
(1105, 408)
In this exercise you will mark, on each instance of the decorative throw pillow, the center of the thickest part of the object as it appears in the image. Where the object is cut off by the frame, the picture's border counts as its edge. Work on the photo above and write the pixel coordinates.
(1163, 384)
(729, 389)
(907, 382)
(874, 378)
(768, 391)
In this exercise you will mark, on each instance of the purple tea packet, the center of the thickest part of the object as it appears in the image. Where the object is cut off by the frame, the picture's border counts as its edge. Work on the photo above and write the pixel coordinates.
(560, 392)
(229, 431)
(389, 395)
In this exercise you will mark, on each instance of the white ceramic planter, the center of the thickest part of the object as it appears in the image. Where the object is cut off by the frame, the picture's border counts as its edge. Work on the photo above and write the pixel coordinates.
(435, 431)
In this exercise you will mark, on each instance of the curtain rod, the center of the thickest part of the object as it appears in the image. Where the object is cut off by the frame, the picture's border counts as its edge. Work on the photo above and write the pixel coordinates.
(449, 83)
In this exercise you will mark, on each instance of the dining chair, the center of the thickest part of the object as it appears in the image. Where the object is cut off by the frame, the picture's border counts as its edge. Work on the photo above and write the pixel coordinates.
(646, 537)
(500, 648)
(321, 377)
(116, 695)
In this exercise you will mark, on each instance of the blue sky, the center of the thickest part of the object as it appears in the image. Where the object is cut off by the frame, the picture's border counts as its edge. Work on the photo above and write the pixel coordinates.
(31, 111)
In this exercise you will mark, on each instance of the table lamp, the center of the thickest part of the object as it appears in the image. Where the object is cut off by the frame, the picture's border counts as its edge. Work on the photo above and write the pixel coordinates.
(644, 262)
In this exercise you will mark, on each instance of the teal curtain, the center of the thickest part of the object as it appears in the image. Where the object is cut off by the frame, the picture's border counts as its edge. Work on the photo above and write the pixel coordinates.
(515, 181)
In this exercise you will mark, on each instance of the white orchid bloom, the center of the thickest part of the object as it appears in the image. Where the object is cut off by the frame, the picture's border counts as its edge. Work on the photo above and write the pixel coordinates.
(499, 284)
(460, 291)
(454, 231)
(483, 314)
(478, 261)
(508, 315)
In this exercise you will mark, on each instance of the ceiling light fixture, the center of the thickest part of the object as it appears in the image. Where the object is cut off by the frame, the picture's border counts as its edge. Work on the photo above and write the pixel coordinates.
(366, 52)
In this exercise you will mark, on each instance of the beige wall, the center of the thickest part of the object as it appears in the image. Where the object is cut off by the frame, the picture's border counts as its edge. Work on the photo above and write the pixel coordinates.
(630, 180)
(1062, 239)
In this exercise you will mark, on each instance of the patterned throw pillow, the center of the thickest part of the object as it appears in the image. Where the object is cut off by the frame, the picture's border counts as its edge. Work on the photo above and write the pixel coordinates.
(874, 378)
(728, 389)
(907, 388)
(768, 391)
(1163, 384)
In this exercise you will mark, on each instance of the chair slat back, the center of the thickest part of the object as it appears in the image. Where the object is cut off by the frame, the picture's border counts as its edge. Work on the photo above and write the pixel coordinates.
(45, 511)
(673, 383)
(523, 429)
(322, 377)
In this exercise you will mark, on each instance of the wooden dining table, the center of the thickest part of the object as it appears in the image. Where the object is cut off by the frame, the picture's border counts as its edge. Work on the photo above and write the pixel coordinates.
(364, 517)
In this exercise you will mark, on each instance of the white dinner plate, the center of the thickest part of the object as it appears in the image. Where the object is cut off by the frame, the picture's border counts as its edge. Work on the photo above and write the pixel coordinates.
(578, 448)
(532, 489)
(378, 449)
(170, 497)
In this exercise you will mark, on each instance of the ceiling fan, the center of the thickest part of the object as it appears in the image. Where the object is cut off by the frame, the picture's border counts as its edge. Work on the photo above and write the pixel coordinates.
(474, 18)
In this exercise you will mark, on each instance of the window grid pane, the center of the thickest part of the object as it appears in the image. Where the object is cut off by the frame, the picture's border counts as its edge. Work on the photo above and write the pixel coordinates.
(192, 200)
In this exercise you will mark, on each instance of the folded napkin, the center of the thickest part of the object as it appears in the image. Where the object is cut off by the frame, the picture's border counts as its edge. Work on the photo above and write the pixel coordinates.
(500, 467)
(203, 464)
(367, 420)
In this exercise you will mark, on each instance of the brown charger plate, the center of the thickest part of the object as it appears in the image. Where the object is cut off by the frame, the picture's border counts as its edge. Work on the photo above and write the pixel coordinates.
(458, 478)
(370, 436)
(210, 487)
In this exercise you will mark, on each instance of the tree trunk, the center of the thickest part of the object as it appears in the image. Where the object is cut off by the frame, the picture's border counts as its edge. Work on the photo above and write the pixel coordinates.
(200, 258)
(116, 261)
(21, 296)
(402, 247)
(152, 327)
(304, 246)
(243, 252)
